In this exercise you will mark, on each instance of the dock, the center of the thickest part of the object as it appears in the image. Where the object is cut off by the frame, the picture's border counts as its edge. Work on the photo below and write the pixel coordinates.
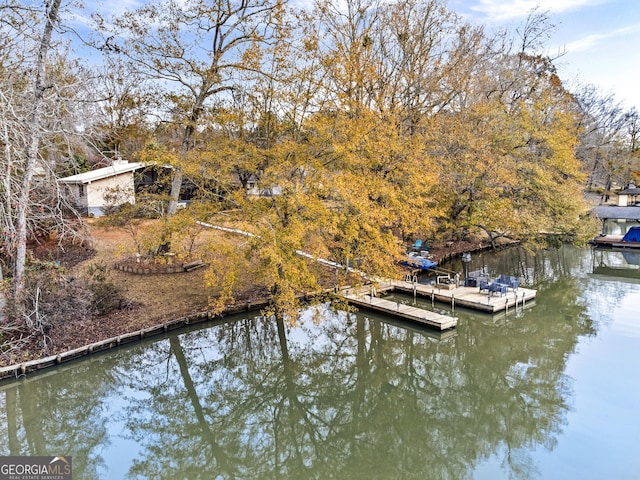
(455, 296)
(400, 310)
(614, 241)
(467, 297)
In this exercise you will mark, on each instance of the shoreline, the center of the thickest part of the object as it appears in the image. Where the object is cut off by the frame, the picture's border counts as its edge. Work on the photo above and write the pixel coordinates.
(20, 370)
(100, 340)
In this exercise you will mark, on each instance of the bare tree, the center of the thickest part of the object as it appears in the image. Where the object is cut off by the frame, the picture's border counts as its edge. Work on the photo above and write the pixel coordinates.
(22, 151)
(604, 146)
(33, 106)
(191, 51)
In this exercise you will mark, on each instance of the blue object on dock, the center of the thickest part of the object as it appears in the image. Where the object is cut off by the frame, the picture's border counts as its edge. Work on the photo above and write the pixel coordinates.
(633, 235)
(418, 261)
(501, 285)
(509, 281)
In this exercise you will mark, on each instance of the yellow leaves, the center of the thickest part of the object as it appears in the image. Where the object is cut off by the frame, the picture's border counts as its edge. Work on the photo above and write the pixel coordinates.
(252, 55)
(509, 171)
(225, 273)
(158, 154)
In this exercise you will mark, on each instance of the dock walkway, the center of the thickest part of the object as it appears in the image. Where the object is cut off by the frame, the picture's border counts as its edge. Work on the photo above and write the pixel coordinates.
(407, 312)
(467, 297)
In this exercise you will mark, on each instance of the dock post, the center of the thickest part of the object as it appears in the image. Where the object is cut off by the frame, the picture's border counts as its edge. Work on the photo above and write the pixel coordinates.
(453, 303)
(432, 298)
(523, 300)
(415, 288)
(506, 305)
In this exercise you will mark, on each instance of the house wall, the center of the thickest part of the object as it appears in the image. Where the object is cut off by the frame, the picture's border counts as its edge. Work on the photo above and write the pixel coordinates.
(78, 194)
(623, 200)
(95, 191)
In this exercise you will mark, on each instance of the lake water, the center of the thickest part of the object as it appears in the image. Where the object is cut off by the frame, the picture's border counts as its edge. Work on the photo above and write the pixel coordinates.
(548, 392)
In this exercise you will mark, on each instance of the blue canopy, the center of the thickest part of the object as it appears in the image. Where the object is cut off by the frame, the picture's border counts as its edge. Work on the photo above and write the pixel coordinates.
(633, 235)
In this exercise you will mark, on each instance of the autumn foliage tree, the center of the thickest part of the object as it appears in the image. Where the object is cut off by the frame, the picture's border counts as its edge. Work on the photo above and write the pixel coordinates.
(365, 124)
(334, 132)
(191, 52)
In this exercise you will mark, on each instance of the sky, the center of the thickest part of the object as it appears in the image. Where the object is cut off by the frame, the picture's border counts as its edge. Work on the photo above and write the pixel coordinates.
(600, 38)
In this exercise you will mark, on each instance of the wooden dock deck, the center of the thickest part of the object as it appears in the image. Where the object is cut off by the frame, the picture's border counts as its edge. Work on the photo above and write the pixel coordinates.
(400, 310)
(468, 297)
(614, 241)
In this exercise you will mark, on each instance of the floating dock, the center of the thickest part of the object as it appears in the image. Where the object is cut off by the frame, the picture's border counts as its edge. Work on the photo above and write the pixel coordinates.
(614, 241)
(467, 297)
(400, 310)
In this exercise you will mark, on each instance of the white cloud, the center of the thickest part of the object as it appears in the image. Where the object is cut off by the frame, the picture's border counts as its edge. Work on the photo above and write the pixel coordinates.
(592, 40)
(500, 11)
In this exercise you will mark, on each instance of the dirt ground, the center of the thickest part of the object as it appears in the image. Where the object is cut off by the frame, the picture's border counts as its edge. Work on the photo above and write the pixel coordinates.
(157, 296)
(150, 299)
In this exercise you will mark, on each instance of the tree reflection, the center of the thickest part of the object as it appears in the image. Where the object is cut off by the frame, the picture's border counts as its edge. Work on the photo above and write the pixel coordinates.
(350, 396)
(354, 397)
(63, 413)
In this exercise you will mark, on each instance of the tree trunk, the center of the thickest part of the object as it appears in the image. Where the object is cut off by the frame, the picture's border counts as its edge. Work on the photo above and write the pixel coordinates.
(31, 161)
(178, 176)
(176, 186)
(12, 422)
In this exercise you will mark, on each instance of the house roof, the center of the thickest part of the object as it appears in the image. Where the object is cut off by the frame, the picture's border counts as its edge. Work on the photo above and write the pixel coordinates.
(630, 191)
(628, 213)
(118, 168)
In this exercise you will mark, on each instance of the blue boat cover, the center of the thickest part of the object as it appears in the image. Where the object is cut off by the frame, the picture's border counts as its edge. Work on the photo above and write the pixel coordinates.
(633, 235)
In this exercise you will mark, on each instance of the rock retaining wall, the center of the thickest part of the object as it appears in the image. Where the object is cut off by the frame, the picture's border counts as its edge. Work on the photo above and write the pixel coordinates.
(150, 269)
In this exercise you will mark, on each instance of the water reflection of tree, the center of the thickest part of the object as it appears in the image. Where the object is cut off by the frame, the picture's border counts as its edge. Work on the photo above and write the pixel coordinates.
(60, 414)
(354, 398)
(534, 268)
(349, 397)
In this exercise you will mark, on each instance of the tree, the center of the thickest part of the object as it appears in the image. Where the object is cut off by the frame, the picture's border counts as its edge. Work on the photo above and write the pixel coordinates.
(508, 157)
(191, 51)
(608, 138)
(23, 153)
(34, 104)
(122, 111)
(632, 174)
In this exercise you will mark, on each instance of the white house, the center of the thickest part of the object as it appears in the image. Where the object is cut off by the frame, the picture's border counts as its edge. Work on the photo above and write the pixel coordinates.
(628, 196)
(89, 188)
